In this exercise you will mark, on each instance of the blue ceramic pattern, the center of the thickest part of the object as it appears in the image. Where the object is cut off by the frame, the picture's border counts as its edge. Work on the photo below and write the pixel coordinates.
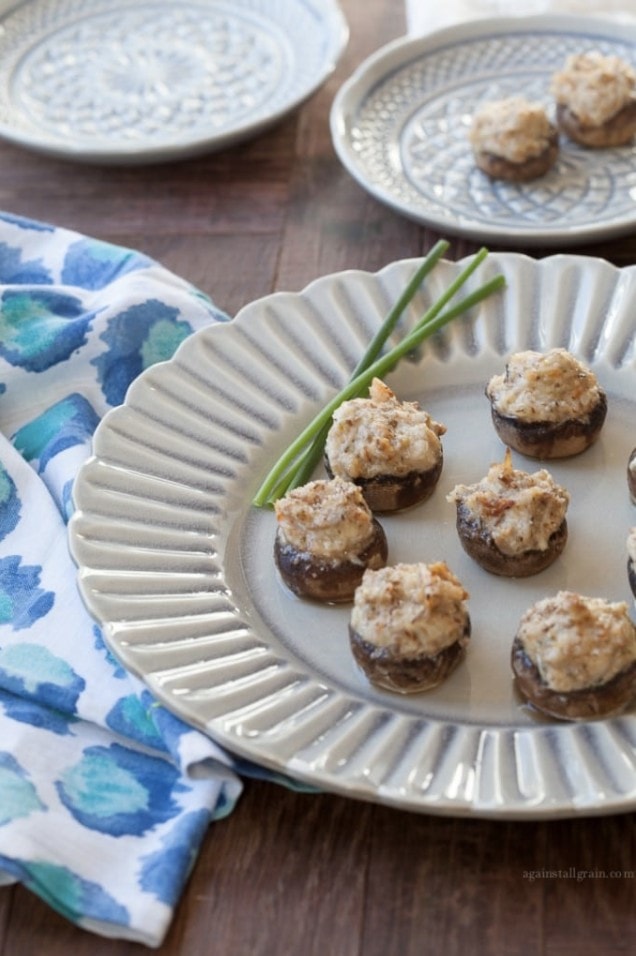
(87, 755)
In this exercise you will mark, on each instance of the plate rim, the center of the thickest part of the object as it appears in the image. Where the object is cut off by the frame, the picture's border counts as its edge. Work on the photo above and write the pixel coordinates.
(401, 51)
(246, 748)
(336, 31)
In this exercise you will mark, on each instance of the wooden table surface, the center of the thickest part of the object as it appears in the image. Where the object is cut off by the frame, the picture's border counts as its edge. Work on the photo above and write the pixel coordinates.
(291, 873)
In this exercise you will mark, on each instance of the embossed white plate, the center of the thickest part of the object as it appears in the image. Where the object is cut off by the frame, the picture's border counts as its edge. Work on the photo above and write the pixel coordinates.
(400, 127)
(154, 80)
(178, 566)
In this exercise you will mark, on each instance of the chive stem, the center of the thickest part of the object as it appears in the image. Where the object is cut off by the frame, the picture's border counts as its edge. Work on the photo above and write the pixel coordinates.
(305, 467)
(312, 456)
(377, 342)
(298, 461)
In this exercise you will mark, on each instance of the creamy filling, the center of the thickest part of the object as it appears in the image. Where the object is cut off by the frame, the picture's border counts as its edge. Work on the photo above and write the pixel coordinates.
(381, 435)
(414, 609)
(519, 511)
(513, 128)
(578, 642)
(327, 519)
(594, 87)
(544, 387)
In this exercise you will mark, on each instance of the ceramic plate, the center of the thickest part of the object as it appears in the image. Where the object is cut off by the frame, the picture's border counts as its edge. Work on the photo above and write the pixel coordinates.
(153, 80)
(178, 566)
(400, 127)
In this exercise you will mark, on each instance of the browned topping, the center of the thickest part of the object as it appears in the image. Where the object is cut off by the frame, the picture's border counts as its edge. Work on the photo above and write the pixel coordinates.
(512, 128)
(578, 642)
(415, 608)
(329, 519)
(544, 386)
(520, 511)
(594, 87)
(381, 435)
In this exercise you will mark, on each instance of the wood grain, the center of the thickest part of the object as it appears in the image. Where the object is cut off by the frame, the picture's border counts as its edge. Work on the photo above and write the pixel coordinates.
(292, 874)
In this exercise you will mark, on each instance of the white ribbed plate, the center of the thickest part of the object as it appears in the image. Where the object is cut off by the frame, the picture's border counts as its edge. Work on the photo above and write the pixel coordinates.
(138, 81)
(400, 127)
(178, 567)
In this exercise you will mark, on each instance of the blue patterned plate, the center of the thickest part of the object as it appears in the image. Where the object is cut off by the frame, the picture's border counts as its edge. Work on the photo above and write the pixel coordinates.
(152, 80)
(400, 125)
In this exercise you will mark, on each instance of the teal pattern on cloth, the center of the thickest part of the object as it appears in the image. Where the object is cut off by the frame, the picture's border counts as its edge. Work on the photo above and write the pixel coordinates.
(105, 796)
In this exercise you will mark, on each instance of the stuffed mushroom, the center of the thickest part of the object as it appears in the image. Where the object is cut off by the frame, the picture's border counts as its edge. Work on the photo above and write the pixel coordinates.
(596, 100)
(513, 139)
(325, 539)
(547, 404)
(390, 449)
(574, 657)
(409, 626)
(512, 523)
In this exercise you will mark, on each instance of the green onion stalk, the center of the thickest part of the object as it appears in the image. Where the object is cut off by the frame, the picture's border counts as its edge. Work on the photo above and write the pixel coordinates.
(296, 465)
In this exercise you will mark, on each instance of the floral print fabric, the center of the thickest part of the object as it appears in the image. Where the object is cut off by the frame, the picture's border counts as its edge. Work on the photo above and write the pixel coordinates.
(101, 813)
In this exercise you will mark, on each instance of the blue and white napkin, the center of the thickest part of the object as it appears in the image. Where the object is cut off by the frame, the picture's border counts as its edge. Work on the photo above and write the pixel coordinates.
(105, 796)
